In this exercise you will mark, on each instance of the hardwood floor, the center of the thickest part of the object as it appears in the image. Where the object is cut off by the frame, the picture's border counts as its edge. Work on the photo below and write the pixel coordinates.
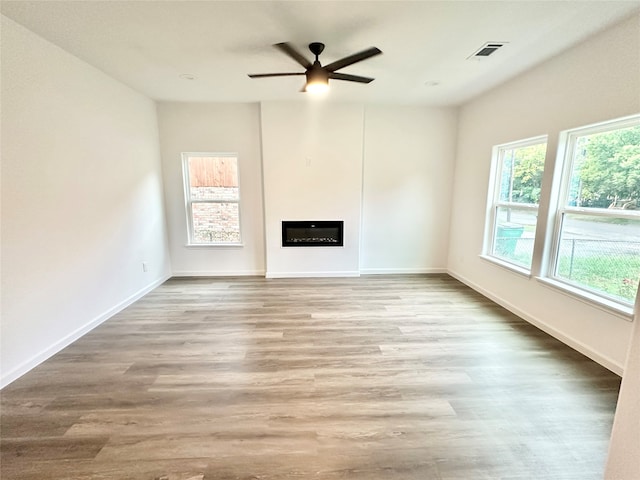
(381, 377)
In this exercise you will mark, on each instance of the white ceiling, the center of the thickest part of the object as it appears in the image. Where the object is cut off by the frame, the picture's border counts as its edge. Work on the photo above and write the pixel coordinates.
(149, 44)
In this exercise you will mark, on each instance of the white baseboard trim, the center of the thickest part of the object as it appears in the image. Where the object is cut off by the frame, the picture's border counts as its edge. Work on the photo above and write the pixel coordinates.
(603, 360)
(37, 359)
(242, 273)
(401, 271)
(312, 274)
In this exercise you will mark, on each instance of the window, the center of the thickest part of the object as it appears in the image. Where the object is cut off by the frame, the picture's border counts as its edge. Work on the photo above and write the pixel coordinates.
(212, 196)
(597, 228)
(513, 202)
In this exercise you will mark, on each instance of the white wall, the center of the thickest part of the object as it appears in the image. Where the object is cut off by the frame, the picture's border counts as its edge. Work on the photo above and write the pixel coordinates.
(81, 199)
(313, 166)
(189, 127)
(623, 462)
(409, 154)
(312, 156)
(595, 81)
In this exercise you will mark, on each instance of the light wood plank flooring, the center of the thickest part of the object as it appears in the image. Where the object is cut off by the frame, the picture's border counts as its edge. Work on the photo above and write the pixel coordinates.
(380, 377)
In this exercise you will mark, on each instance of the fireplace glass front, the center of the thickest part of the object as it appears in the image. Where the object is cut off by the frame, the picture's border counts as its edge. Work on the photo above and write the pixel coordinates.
(319, 233)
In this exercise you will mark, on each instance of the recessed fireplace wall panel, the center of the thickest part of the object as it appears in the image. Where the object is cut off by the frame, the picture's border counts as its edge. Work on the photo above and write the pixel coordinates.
(321, 233)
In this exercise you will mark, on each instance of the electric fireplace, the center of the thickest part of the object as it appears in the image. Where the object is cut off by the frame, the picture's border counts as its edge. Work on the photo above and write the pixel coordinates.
(312, 233)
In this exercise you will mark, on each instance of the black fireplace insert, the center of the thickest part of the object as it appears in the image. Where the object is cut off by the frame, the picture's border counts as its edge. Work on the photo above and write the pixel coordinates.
(319, 233)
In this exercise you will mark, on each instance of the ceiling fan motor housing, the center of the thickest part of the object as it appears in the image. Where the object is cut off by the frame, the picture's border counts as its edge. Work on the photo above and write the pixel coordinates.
(317, 74)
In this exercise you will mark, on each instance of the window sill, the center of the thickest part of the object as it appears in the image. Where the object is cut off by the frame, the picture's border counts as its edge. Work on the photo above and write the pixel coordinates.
(509, 266)
(214, 245)
(604, 304)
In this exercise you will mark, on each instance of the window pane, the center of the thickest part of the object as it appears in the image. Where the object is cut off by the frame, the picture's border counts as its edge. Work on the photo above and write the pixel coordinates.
(606, 170)
(514, 235)
(600, 254)
(216, 222)
(521, 173)
(213, 178)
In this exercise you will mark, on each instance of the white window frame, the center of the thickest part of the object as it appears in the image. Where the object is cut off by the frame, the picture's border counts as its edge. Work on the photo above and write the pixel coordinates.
(189, 201)
(494, 202)
(565, 159)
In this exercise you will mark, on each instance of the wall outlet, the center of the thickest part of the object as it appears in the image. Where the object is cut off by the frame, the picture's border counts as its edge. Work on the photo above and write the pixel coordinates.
(145, 267)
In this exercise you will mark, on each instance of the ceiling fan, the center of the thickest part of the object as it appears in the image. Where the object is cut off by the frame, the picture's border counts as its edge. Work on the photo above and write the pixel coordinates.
(317, 75)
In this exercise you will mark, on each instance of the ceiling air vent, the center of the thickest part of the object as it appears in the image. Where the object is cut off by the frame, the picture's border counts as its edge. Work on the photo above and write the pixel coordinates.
(486, 50)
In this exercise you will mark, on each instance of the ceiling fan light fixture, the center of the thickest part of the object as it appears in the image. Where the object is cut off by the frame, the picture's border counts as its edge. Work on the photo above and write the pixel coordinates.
(317, 81)
(317, 87)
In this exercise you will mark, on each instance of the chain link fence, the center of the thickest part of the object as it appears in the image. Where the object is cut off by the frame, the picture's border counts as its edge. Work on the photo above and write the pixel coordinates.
(608, 266)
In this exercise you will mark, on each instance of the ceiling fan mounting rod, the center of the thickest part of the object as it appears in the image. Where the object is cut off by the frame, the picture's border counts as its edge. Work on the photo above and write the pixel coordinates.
(316, 48)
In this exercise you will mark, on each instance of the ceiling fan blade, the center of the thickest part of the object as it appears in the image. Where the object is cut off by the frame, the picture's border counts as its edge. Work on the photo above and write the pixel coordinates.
(350, 78)
(293, 53)
(265, 75)
(351, 59)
